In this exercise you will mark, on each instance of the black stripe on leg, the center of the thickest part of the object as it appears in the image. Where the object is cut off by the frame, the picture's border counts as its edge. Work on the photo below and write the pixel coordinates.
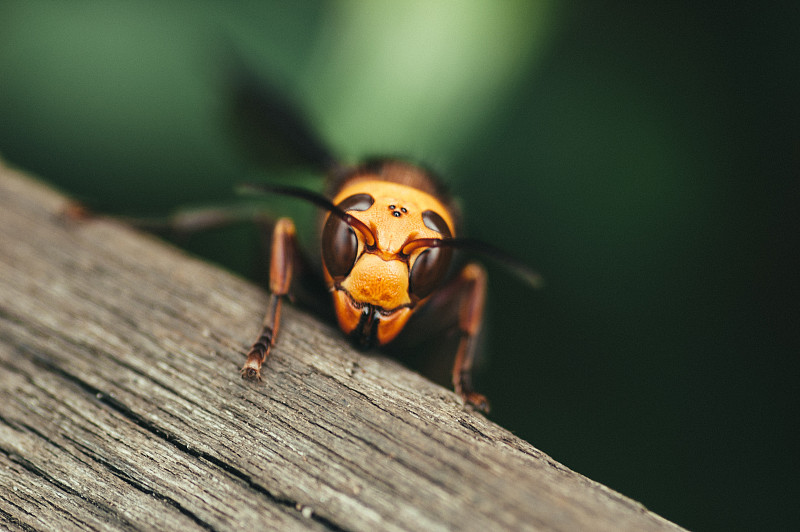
(264, 341)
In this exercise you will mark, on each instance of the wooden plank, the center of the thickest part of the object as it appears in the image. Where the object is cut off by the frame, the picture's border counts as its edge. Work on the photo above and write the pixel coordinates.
(121, 407)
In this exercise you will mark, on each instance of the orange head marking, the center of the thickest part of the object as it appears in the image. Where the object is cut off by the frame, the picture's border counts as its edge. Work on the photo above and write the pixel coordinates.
(380, 269)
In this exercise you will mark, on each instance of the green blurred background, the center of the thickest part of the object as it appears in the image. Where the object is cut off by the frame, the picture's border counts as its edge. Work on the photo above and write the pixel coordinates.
(646, 159)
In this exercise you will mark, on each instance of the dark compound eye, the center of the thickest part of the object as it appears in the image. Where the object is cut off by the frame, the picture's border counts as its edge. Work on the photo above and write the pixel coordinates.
(357, 202)
(435, 222)
(339, 247)
(339, 241)
(432, 264)
(428, 271)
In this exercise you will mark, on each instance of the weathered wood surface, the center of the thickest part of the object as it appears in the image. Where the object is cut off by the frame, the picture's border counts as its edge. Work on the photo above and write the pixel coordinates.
(121, 407)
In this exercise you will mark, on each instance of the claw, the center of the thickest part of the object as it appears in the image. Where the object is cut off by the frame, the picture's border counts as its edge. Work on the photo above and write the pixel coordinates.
(251, 370)
(251, 374)
(477, 401)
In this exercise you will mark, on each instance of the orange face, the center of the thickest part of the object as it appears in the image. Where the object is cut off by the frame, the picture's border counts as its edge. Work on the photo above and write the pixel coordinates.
(381, 272)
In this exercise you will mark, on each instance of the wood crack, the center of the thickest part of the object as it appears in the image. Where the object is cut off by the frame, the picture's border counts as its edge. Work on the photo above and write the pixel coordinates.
(128, 479)
(175, 441)
(109, 513)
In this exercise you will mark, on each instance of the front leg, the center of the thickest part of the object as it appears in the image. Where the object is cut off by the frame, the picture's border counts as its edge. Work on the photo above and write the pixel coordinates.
(459, 305)
(470, 318)
(282, 256)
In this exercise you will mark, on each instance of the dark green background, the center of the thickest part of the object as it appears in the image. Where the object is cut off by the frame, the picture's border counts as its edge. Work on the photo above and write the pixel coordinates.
(645, 159)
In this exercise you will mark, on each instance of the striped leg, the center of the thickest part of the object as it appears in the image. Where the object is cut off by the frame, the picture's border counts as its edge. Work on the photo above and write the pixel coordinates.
(282, 256)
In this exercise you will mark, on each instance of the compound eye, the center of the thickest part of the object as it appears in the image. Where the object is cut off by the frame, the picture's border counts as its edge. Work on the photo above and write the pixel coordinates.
(356, 202)
(339, 241)
(434, 221)
(339, 247)
(428, 271)
(432, 264)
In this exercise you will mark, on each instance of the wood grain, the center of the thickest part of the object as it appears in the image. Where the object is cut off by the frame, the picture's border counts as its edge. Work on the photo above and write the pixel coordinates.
(121, 407)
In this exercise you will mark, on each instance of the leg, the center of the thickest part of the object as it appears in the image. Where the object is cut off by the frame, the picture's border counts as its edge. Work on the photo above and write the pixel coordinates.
(470, 317)
(280, 277)
(465, 295)
(187, 221)
(180, 223)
